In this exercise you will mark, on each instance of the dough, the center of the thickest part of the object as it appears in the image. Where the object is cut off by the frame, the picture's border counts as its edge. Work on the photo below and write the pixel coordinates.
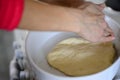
(77, 57)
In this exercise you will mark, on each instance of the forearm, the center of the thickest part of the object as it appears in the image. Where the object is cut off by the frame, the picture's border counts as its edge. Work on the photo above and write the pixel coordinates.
(40, 16)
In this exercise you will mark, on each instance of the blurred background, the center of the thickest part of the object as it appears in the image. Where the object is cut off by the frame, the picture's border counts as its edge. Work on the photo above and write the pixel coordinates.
(6, 53)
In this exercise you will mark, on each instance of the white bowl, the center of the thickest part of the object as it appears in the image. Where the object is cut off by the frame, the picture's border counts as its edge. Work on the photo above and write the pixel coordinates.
(38, 45)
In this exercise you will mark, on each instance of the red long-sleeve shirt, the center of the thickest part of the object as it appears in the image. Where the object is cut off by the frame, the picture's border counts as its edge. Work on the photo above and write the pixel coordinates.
(10, 13)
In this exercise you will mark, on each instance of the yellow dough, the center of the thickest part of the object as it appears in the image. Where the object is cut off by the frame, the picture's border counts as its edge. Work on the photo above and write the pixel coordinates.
(77, 57)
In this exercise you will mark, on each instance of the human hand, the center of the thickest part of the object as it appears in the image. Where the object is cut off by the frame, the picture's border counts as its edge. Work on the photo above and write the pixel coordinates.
(93, 26)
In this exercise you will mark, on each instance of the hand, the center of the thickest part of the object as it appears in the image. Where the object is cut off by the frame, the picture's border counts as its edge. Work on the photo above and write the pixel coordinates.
(93, 26)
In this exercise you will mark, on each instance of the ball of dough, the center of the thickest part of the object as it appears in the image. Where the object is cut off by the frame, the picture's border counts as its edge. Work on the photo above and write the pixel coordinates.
(78, 57)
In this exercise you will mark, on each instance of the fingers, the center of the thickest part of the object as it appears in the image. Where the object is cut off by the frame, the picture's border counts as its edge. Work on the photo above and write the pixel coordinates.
(108, 32)
(107, 39)
(107, 36)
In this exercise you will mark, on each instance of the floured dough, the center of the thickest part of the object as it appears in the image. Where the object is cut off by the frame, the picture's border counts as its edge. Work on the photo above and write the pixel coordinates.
(77, 57)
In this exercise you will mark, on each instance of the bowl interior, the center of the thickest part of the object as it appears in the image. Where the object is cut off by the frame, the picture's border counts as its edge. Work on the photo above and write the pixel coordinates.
(39, 44)
(42, 44)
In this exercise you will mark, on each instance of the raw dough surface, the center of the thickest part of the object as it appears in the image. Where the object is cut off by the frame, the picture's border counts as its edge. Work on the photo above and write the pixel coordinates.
(77, 57)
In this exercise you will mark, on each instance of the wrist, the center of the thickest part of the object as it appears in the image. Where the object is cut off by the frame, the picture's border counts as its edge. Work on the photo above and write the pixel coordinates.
(76, 16)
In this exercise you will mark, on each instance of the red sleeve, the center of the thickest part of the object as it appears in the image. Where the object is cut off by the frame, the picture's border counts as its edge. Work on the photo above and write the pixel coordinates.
(10, 13)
